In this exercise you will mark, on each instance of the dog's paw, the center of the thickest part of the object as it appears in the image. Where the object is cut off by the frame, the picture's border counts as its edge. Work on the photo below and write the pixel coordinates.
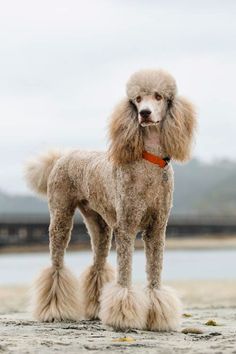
(92, 280)
(164, 311)
(55, 296)
(123, 308)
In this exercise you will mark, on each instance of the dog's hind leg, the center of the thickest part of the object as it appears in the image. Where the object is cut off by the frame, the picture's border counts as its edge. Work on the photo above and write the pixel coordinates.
(164, 306)
(56, 289)
(123, 306)
(100, 272)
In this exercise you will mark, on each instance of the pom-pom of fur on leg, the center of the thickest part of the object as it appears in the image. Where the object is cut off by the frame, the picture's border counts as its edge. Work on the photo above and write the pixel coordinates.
(123, 308)
(38, 170)
(164, 310)
(55, 296)
(92, 281)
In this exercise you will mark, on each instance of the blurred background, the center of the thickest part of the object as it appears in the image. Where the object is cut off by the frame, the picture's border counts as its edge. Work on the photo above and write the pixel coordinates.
(63, 66)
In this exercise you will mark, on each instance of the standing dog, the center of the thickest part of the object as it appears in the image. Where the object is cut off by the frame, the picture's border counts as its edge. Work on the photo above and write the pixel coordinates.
(123, 191)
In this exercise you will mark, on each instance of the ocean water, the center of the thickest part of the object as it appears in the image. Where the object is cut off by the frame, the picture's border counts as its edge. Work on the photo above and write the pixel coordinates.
(178, 265)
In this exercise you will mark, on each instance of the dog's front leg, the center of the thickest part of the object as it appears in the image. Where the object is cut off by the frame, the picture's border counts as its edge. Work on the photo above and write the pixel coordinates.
(164, 306)
(123, 306)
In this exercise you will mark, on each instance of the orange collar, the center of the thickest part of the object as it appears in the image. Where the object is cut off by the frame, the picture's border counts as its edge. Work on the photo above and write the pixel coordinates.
(156, 159)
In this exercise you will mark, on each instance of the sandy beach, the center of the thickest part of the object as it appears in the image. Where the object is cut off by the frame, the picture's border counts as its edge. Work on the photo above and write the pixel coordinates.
(203, 301)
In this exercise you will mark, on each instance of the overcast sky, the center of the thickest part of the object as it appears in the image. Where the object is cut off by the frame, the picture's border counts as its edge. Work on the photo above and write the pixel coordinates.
(64, 64)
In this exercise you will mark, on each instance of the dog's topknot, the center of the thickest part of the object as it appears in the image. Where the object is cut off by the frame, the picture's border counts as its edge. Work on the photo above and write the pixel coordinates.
(146, 82)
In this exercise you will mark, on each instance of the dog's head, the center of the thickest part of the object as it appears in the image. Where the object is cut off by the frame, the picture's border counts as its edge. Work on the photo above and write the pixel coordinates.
(152, 100)
(151, 93)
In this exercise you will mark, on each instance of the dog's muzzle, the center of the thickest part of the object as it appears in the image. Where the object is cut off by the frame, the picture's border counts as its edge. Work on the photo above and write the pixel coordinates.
(145, 114)
(145, 118)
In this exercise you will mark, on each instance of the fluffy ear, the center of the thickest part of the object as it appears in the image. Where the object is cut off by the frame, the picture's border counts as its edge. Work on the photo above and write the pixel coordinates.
(178, 128)
(125, 134)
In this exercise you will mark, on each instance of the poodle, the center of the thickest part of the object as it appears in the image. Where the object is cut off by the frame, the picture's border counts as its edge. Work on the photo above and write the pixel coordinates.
(123, 191)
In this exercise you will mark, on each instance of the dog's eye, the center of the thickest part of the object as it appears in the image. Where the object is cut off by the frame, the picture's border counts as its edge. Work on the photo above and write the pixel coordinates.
(138, 99)
(158, 97)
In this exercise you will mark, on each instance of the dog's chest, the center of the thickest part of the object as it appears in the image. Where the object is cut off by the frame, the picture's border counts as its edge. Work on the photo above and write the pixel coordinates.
(146, 183)
(158, 183)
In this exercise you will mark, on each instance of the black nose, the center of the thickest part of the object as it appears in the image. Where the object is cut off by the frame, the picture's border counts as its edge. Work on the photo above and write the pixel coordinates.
(145, 113)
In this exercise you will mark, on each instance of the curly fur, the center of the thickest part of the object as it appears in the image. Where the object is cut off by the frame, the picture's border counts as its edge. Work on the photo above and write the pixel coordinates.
(178, 129)
(38, 171)
(164, 310)
(123, 308)
(117, 192)
(92, 281)
(146, 82)
(126, 136)
(56, 296)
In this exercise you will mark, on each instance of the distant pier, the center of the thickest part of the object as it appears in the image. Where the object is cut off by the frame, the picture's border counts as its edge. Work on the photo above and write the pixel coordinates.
(27, 230)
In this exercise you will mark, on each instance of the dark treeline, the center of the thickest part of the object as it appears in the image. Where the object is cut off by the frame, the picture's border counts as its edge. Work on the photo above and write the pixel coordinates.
(200, 188)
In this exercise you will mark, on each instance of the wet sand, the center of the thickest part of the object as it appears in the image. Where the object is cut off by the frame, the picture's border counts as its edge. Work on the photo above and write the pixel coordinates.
(203, 300)
(19, 334)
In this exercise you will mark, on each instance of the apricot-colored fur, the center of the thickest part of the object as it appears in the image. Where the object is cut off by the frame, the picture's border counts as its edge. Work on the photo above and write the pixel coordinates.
(123, 308)
(92, 282)
(56, 296)
(120, 193)
(164, 311)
